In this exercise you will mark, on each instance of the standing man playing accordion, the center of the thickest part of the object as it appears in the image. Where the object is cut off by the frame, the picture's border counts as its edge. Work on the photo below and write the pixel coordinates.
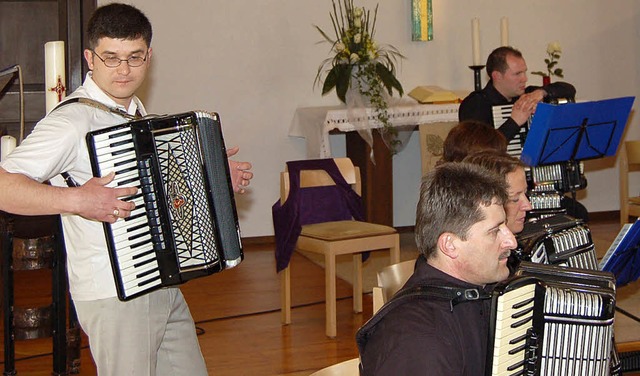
(153, 334)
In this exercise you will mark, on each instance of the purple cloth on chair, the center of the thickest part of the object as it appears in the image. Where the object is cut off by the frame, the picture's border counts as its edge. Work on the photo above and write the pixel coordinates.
(311, 205)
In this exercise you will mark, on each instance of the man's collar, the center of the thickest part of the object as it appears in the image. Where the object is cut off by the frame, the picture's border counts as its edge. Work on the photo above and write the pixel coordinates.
(98, 94)
(494, 95)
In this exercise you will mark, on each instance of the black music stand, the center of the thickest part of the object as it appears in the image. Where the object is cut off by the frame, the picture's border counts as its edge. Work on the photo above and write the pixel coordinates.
(576, 131)
(623, 257)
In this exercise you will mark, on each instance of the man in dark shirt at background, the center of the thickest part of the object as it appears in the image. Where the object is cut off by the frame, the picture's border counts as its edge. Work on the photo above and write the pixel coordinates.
(507, 85)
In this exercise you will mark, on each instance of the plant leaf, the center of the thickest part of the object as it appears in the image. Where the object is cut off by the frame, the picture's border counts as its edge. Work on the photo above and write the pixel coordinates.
(388, 79)
(342, 82)
(324, 35)
(330, 81)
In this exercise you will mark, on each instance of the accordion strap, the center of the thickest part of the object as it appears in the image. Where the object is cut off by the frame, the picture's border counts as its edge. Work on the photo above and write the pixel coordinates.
(98, 105)
(95, 104)
(454, 295)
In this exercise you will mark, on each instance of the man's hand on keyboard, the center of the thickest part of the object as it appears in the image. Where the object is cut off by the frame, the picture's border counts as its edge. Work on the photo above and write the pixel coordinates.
(96, 201)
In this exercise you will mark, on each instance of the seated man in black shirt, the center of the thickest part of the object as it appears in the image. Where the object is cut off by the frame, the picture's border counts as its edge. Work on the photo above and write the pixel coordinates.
(507, 85)
(464, 244)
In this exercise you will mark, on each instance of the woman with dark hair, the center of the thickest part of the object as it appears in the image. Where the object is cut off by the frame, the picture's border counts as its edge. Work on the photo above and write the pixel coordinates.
(471, 136)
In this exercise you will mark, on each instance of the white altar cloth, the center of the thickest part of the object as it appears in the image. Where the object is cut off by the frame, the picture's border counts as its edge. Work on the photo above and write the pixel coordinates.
(315, 123)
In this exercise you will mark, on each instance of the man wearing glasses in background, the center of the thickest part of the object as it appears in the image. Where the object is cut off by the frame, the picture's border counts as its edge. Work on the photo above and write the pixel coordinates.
(153, 334)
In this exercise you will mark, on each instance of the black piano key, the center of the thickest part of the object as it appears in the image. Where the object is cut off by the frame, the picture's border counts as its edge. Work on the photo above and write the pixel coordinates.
(128, 181)
(142, 263)
(146, 273)
(148, 281)
(137, 245)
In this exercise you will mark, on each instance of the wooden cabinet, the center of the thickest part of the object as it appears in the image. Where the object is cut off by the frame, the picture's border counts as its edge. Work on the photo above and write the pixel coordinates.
(25, 26)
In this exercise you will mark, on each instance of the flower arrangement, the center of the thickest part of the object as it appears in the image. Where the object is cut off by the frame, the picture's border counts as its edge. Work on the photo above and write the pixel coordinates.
(553, 51)
(359, 61)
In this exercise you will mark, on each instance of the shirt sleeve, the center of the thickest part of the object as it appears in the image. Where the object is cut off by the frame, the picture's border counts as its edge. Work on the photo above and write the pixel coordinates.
(49, 150)
(556, 90)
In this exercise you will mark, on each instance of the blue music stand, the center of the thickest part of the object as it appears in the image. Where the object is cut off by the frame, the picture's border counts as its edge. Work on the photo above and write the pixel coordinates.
(623, 259)
(576, 131)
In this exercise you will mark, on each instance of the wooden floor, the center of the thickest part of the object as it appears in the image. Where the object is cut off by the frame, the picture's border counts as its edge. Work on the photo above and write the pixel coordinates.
(238, 315)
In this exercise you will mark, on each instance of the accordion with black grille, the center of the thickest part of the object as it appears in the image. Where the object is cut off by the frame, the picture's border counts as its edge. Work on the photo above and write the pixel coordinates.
(560, 239)
(185, 223)
(550, 320)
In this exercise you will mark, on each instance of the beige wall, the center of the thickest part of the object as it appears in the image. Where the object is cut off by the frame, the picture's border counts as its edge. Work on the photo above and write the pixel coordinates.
(254, 62)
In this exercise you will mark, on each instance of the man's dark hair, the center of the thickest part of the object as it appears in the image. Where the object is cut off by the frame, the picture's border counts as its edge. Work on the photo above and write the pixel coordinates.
(497, 60)
(469, 137)
(451, 199)
(118, 21)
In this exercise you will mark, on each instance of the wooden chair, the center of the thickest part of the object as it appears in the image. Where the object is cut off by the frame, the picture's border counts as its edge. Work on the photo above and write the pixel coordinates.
(347, 368)
(629, 161)
(336, 238)
(391, 279)
(432, 137)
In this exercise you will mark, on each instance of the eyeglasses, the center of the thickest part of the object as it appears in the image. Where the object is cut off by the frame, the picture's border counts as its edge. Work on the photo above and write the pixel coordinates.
(114, 62)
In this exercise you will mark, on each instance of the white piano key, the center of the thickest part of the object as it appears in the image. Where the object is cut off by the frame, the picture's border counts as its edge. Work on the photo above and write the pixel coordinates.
(129, 265)
(119, 163)
(134, 287)
(140, 221)
(126, 176)
(132, 235)
(138, 245)
(105, 136)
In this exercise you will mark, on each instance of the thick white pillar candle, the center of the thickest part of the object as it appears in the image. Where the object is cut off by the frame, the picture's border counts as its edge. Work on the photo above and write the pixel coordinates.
(7, 144)
(475, 38)
(504, 31)
(54, 74)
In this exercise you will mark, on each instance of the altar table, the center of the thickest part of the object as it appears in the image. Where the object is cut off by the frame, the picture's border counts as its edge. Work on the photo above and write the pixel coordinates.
(315, 123)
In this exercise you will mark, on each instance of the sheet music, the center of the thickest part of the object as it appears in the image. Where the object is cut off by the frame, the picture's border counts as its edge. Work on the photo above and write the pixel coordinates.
(623, 257)
(616, 242)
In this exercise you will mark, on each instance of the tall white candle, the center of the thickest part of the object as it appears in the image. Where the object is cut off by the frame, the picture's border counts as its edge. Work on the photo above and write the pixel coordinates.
(475, 38)
(54, 74)
(504, 31)
(7, 144)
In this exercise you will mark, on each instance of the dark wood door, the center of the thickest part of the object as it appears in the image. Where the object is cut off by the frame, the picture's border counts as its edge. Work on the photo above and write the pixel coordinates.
(25, 26)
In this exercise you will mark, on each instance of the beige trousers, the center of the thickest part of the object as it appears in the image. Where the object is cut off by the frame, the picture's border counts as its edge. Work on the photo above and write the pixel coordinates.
(152, 335)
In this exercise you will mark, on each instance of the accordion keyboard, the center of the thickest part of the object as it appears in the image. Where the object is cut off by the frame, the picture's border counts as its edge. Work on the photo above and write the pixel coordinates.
(514, 313)
(133, 238)
(500, 115)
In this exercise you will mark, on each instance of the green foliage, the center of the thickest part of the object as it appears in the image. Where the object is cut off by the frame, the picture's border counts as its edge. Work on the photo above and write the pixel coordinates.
(553, 51)
(353, 45)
